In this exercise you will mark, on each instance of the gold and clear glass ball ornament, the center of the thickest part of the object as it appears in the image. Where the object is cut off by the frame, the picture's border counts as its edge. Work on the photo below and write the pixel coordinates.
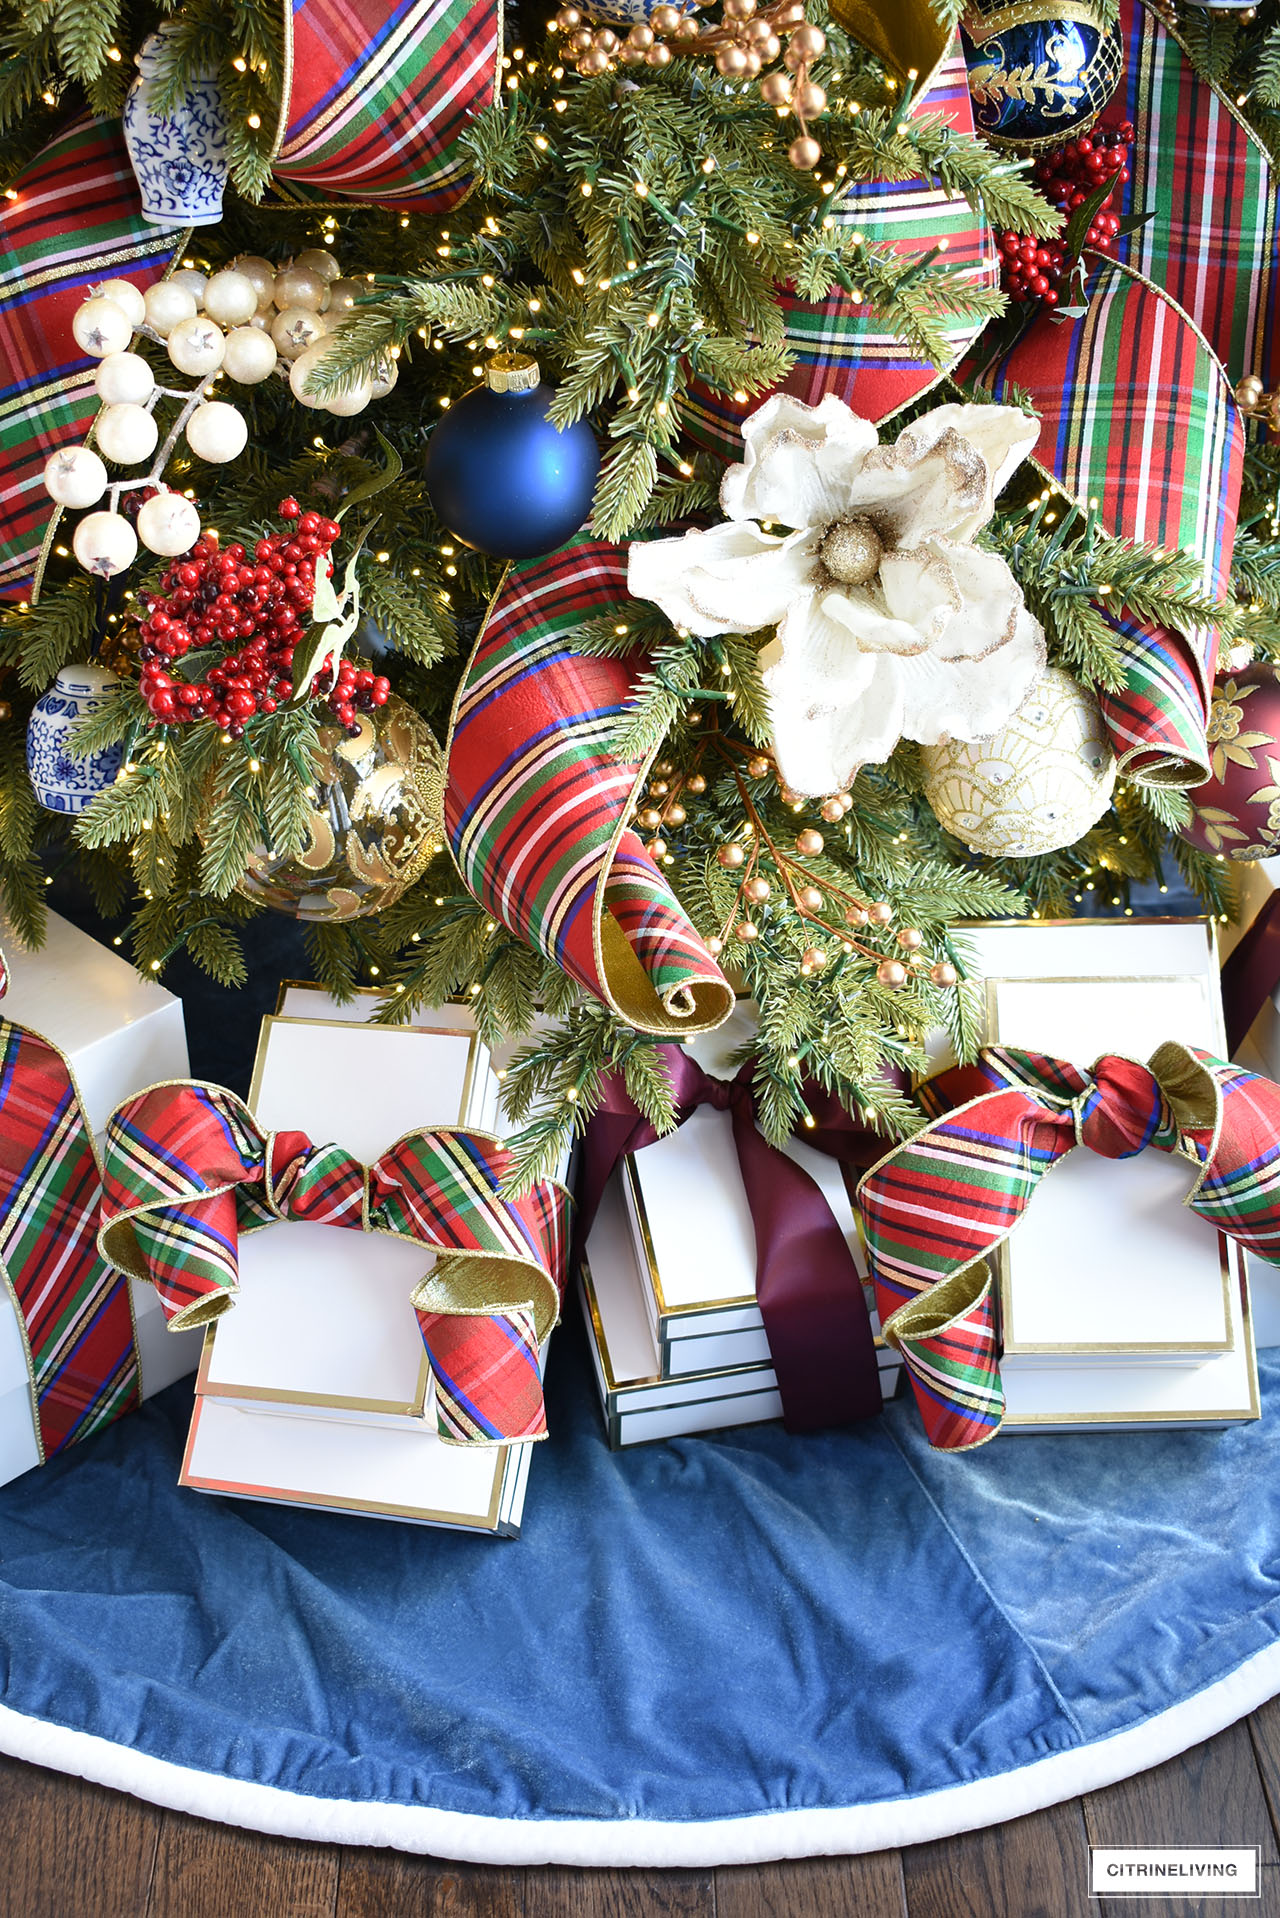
(376, 821)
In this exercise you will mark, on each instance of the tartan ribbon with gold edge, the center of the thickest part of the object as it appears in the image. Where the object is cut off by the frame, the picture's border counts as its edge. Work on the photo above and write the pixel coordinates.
(188, 1169)
(1134, 394)
(537, 803)
(378, 94)
(840, 343)
(74, 1311)
(937, 1204)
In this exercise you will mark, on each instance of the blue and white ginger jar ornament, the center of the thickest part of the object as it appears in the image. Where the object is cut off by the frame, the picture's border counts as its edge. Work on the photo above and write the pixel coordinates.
(179, 159)
(1040, 71)
(61, 782)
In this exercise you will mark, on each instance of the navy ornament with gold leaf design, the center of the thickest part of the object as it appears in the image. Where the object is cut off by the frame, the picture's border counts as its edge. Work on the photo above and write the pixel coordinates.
(1040, 71)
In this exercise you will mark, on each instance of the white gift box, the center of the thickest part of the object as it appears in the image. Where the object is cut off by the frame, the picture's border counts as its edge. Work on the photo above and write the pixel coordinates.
(700, 1284)
(695, 1243)
(119, 1033)
(1119, 1306)
(314, 1387)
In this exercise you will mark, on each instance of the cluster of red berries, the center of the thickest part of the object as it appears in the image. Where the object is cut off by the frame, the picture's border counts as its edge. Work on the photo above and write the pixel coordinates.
(1033, 270)
(216, 596)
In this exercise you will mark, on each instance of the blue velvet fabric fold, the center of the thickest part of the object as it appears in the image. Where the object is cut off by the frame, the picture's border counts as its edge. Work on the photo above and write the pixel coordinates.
(702, 1629)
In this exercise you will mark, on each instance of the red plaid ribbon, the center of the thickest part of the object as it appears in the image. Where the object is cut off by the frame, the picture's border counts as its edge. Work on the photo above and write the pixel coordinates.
(938, 1204)
(537, 804)
(188, 1169)
(1137, 414)
(1205, 181)
(379, 93)
(74, 1311)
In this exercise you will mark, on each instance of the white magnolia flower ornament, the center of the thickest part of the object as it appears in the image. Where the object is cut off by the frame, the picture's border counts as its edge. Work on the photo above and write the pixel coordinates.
(890, 623)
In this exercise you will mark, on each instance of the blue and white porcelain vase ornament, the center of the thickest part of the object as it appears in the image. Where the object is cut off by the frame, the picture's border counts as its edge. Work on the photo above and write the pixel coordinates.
(61, 782)
(180, 158)
(1040, 71)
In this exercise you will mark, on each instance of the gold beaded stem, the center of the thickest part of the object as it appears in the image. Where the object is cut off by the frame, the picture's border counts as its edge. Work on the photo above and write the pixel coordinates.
(1256, 403)
(909, 938)
(746, 40)
(784, 865)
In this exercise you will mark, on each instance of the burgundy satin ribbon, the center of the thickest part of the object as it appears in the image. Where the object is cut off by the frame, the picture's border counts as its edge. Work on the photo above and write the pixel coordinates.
(1251, 972)
(808, 1287)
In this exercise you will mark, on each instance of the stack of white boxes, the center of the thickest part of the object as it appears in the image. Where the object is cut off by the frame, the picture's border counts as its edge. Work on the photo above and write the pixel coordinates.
(669, 1278)
(119, 1033)
(1120, 1308)
(314, 1387)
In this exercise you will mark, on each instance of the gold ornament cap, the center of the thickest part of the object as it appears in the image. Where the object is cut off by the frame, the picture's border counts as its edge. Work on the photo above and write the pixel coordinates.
(512, 373)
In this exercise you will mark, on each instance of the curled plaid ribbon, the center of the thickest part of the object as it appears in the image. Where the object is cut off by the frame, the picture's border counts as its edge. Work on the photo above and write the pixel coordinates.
(935, 1206)
(188, 1169)
(537, 805)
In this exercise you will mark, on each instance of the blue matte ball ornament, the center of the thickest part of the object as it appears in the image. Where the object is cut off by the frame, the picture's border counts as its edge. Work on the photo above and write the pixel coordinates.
(500, 475)
(1040, 71)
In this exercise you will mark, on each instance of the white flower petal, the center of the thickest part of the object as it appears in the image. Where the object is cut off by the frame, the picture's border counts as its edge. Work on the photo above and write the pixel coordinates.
(867, 626)
(730, 579)
(970, 698)
(820, 747)
(943, 474)
(966, 599)
(800, 462)
(815, 676)
(1004, 435)
(920, 587)
(919, 489)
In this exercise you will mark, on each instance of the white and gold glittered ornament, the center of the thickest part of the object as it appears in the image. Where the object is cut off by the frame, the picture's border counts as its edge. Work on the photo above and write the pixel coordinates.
(1034, 787)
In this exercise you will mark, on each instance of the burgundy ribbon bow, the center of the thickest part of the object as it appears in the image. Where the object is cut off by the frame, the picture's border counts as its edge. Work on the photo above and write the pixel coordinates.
(808, 1287)
(1251, 971)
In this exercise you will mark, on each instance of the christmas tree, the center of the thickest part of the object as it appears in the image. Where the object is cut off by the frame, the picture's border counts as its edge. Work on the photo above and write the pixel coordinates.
(523, 292)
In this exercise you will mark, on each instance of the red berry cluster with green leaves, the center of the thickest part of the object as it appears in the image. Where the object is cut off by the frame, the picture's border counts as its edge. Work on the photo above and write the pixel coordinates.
(218, 596)
(1033, 270)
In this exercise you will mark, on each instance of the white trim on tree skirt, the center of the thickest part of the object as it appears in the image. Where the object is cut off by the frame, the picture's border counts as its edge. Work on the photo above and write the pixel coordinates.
(751, 1839)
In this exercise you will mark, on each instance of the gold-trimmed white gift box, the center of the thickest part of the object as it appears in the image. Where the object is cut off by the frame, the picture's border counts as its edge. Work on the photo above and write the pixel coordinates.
(1120, 1308)
(119, 1033)
(677, 1340)
(314, 1388)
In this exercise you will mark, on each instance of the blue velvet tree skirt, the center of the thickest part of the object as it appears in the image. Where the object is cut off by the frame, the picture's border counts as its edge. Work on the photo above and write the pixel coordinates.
(722, 1649)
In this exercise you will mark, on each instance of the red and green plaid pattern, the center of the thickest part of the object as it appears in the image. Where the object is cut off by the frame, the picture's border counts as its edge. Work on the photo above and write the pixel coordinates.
(1212, 238)
(74, 1310)
(1136, 413)
(936, 1206)
(188, 1170)
(380, 94)
(536, 802)
(76, 219)
(842, 346)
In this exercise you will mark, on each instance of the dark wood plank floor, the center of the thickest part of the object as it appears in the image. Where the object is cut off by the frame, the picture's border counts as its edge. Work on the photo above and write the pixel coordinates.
(71, 1850)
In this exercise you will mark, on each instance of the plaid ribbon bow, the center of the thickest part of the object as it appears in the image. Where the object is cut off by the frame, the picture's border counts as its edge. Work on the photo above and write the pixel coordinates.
(188, 1169)
(935, 1206)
